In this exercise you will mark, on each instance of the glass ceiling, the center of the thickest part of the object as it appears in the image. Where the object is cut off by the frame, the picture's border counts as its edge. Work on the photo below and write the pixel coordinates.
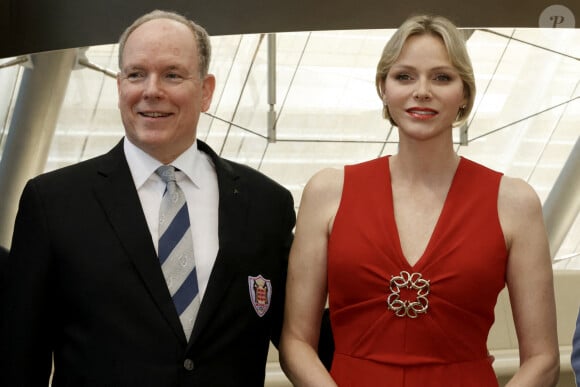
(525, 122)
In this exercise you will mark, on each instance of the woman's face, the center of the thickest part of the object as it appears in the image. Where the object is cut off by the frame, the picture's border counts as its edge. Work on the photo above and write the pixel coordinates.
(423, 91)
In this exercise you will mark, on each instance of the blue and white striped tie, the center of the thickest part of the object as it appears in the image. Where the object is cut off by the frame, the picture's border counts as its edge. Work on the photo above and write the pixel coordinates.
(176, 250)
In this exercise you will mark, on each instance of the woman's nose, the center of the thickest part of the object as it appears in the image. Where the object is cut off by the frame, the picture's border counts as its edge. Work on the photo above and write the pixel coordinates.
(423, 90)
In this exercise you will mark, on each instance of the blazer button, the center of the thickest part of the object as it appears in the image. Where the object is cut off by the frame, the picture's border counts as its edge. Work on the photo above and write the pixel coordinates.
(188, 364)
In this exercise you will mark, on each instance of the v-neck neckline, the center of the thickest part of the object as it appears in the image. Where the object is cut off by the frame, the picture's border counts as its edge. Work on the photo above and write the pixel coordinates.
(438, 224)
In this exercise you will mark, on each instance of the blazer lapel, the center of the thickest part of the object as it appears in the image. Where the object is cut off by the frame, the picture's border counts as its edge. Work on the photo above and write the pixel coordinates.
(231, 223)
(117, 194)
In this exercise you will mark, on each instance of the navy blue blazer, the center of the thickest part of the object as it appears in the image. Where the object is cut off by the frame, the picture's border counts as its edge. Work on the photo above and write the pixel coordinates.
(3, 256)
(84, 284)
(576, 351)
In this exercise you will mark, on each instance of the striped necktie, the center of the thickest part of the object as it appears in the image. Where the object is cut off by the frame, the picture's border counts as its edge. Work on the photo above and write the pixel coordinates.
(176, 250)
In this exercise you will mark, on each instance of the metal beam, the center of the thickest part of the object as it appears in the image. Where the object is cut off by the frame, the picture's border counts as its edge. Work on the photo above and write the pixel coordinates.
(33, 124)
(272, 88)
(562, 205)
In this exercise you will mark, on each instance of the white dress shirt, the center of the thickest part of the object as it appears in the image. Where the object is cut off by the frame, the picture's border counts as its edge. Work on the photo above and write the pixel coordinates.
(198, 180)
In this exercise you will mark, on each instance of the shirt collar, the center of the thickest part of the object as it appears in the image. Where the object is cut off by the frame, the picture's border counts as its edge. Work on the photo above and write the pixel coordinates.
(143, 166)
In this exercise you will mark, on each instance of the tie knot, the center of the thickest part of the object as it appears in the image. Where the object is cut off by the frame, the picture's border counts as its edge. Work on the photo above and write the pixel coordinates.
(166, 173)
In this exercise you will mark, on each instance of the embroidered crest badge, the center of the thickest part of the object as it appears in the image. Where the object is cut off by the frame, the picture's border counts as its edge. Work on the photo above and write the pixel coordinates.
(260, 293)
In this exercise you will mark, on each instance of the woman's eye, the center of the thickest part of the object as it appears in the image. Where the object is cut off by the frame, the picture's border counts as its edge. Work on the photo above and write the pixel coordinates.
(403, 77)
(442, 78)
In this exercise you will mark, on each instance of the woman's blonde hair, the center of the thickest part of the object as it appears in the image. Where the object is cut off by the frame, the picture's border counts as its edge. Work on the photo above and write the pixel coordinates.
(454, 42)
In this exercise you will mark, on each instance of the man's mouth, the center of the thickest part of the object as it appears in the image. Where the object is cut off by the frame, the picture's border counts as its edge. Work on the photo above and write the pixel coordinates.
(154, 114)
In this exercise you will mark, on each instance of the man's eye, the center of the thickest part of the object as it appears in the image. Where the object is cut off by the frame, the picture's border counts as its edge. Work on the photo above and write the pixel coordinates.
(134, 76)
(173, 77)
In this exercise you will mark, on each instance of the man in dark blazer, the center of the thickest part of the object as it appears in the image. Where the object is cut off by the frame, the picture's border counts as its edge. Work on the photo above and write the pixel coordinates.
(84, 283)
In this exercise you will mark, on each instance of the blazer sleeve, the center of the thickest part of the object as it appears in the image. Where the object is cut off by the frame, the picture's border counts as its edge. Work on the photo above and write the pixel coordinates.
(26, 303)
(287, 238)
(576, 351)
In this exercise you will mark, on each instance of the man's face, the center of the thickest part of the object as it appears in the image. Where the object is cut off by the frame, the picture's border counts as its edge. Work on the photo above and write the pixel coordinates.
(161, 93)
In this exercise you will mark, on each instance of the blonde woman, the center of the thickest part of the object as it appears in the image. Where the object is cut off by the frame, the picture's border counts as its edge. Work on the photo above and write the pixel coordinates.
(413, 249)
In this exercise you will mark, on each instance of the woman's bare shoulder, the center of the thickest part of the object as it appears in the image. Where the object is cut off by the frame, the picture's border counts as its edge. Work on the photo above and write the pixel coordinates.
(518, 206)
(517, 194)
(326, 183)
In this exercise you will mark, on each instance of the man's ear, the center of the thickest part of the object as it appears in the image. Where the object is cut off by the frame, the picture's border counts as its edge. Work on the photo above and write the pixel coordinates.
(207, 89)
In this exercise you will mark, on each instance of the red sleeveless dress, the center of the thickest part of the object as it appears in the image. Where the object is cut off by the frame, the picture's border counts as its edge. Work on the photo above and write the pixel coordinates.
(423, 325)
